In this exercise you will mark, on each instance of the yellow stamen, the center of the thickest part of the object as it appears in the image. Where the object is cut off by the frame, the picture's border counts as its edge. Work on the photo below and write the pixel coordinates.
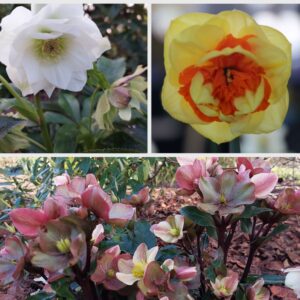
(138, 270)
(175, 232)
(223, 199)
(63, 245)
(111, 273)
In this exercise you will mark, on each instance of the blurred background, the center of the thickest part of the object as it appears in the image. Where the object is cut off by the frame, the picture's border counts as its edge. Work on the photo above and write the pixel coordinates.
(171, 136)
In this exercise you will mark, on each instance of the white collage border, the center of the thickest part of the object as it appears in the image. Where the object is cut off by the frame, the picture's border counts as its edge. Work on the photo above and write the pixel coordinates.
(148, 4)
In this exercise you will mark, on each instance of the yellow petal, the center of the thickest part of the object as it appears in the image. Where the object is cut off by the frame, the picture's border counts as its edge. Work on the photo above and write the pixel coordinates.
(176, 105)
(218, 132)
(178, 25)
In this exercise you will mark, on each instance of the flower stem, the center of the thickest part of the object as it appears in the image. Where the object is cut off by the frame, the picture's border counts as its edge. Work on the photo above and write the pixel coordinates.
(43, 124)
(10, 89)
(201, 264)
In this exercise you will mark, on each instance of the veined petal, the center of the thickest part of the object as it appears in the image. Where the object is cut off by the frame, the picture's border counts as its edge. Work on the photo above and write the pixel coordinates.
(128, 279)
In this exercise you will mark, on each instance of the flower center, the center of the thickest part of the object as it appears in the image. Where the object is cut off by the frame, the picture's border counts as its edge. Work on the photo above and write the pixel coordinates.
(63, 245)
(111, 273)
(227, 77)
(223, 199)
(50, 50)
(175, 232)
(138, 270)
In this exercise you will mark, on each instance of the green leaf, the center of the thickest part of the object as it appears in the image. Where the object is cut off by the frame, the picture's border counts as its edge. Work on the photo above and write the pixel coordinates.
(113, 69)
(27, 109)
(252, 211)
(70, 105)
(42, 296)
(240, 294)
(198, 217)
(270, 279)
(65, 139)
(97, 79)
(56, 118)
(141, 234)
(61, 287)
(7, 123)
(246, 225)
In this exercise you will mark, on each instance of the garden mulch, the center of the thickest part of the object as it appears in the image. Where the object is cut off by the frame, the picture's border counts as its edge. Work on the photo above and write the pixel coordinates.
(281, 252)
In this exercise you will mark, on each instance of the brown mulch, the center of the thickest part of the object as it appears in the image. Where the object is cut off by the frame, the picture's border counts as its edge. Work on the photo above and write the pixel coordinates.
(281, 252)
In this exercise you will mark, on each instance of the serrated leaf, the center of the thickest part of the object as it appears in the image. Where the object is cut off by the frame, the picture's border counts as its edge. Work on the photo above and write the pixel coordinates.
(65, 139)
(70, 105)
(56, 118)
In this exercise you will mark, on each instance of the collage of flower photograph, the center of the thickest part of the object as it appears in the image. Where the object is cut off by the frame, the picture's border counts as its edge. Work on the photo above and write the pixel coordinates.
(149, 150)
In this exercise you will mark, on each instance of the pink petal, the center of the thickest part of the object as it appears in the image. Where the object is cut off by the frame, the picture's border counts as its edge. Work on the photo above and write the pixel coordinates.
(115, 250)
(54, 208)
(185, 177)
(120, 213)
(61, 180)
(140, 253)
(264, 184)
(98, 234)
(28, 221)
(185, 160)
(90, 179)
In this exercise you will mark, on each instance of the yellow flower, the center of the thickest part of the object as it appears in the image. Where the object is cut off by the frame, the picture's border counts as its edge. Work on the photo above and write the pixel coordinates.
(226, 75)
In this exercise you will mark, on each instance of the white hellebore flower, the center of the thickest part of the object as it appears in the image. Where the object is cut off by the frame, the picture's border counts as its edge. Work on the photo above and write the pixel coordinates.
(292, 280)
(49, 48)
(132, 270)
(171, 230)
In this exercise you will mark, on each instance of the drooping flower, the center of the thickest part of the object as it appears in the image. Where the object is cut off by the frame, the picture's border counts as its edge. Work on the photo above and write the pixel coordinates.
(70, 190)
(139, 199)
(171, 230)
(259, 172)
(292, 280)
(288, 202)
(107, 267)
(257, 291)
(133, 270)
(95, 199)
(29, 221)
(12, 260)
(225, 286)
(182, 272)
(225, 194)
(51, 48)
(124, 94)
(61, 244)
(188, 174)
(226, 75)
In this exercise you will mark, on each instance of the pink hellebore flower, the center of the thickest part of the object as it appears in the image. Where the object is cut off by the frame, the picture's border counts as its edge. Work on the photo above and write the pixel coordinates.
(99, 202)
(60, 245)
(107, 267)
(257, 291)
(187, 176)
(259, 172)
(71, 189)
(183, 273)
(292, 280)
(224, 287)
(28, 221)
(288, 202)
(98, 234)
(133, 270)
(139, 199)
(12, 260)
(225, 194)
(171, 230)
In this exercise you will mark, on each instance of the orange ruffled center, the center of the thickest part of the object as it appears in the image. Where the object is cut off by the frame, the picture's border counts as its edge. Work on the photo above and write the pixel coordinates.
(230, 77)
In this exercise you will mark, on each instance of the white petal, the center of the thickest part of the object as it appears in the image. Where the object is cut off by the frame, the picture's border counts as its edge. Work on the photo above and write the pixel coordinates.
(151, 254)
(125, 114)
(128, 279)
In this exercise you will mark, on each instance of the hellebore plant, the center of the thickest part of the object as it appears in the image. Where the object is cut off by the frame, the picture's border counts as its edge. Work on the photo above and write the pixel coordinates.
(58, 47)
(89, 238)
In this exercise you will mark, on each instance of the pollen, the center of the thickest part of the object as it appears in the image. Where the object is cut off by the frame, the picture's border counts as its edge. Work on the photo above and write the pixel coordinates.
(63, 245)
(138, 270)
(175, 232)
(111, 273)
(50, 50)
